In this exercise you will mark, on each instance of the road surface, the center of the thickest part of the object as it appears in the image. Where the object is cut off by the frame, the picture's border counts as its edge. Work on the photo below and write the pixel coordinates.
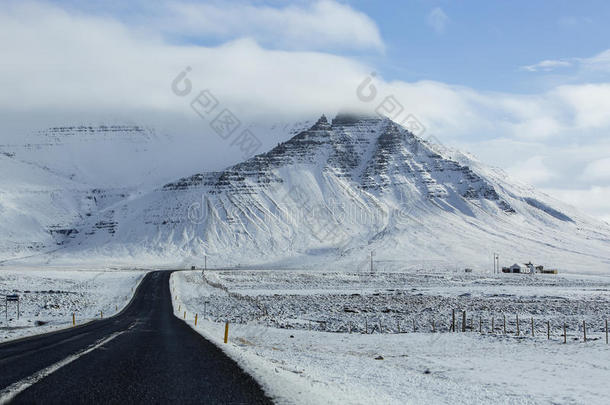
(142, 355)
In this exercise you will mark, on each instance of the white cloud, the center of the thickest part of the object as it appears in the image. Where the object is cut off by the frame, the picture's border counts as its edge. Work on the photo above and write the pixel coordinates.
(532, 171)
(546, 65)
(57, 60)
(321, 25)
(593, 200)
(598, 170)
(66, 61)
(599, 62)
(596, 63)
(587, 103)
(438, 20)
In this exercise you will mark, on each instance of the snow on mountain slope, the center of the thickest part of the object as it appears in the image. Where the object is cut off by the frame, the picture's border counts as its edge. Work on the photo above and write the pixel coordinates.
(55, 178)
(40, 210)
(100, 156)
(332, 193)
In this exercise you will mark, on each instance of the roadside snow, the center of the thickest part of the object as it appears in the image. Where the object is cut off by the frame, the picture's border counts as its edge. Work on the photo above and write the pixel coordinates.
(48, 298)
(298, 365)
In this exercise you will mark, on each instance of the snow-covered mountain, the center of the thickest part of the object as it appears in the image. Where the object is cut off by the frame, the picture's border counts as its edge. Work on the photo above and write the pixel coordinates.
(55, 178)
(324, 198)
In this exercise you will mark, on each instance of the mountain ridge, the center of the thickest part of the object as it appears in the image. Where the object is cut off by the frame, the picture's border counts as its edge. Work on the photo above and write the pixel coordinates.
(335, 189)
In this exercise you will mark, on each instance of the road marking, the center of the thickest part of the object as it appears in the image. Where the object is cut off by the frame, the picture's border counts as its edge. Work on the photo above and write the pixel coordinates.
(37, 349)
(10, 392)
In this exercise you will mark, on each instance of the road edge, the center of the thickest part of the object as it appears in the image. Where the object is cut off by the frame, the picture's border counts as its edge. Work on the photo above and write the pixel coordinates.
(80, 325)
(281, 386)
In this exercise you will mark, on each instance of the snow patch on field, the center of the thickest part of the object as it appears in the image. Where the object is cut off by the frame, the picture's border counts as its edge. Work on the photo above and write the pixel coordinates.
(49, 297)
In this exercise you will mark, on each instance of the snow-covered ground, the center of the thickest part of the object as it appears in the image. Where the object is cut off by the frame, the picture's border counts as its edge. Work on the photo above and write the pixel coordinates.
(49, 297)
(290, 329)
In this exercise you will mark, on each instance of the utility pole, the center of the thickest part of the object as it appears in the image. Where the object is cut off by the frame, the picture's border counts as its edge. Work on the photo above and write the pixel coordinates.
(371, 262)
(205, 261)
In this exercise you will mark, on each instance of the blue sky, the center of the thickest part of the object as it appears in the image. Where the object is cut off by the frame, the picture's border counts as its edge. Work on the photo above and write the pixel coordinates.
(483, 44)
(523, 85)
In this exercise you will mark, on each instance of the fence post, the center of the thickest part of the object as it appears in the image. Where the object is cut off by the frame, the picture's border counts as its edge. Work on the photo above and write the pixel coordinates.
(398, 325)
(226, 331)
(379, 321)
(606, 331)
(584, 330)
(433, 326)
(518, 332)
(366, 326)
(184, 315)
(480, 324)
(196, 316)
(492, 325)
(413, 324)
(548, 330)
(565, 335)
(453, 320)
(504, 323)
(532, 326)
(463, 321)
(101, 314)
(74, 324)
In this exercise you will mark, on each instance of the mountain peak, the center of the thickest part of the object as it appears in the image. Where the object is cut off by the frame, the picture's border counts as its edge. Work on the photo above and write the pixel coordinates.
(374, 154)
(321, 124)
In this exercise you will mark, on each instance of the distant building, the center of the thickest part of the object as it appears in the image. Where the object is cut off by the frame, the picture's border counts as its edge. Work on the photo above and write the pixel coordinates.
(529, 268)
(515, 268)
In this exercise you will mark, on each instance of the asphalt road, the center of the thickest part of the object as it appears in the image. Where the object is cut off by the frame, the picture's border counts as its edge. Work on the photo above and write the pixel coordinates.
(142, 355)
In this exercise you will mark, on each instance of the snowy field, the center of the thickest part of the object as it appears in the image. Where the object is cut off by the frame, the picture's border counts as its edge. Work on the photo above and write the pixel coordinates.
(49, 297)
(291, 330)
